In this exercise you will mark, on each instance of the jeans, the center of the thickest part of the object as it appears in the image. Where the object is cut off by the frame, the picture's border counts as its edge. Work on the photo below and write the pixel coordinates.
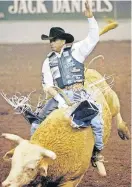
(51, 105)
(97, 127)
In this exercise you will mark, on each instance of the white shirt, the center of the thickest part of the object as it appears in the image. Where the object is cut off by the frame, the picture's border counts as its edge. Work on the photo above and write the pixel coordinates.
(80, 51)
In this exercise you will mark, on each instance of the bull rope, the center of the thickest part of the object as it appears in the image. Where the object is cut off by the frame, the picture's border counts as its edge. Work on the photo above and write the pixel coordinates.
(18, 101)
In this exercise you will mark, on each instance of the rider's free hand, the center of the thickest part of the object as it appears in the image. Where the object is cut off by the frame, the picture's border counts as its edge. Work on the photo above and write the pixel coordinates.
(64, 105)
(88, 12)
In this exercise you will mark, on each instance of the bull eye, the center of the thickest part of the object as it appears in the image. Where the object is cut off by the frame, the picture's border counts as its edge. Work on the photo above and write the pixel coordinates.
(31, 169)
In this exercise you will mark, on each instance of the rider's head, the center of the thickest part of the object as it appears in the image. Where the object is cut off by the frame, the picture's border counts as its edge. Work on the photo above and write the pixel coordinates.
(58, 38)
(57, 44)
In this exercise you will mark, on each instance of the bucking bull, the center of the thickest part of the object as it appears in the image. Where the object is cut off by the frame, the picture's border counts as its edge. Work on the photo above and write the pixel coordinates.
(58, 153)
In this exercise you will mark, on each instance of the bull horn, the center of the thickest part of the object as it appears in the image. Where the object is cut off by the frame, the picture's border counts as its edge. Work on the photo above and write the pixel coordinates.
(12, 137)
(48, 153)
(8, 155)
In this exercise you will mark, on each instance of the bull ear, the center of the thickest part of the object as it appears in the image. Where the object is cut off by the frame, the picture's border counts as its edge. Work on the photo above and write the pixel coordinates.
(47, 152)
(13, 137)
(8, 155)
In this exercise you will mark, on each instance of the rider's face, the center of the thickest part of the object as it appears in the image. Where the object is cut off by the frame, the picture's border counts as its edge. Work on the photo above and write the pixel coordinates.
(57, 44)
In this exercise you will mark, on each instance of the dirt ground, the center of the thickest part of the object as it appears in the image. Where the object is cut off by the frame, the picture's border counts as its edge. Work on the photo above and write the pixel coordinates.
(20, 70)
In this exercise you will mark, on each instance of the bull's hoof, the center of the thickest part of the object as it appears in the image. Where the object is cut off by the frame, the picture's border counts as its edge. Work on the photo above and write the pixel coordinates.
(123, 131)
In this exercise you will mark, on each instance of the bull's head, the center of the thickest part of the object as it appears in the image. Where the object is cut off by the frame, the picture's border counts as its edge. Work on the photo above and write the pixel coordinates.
(28, 160)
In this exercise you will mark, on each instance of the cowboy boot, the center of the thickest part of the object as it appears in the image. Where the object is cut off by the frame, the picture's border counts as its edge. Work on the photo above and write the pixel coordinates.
(97, 161)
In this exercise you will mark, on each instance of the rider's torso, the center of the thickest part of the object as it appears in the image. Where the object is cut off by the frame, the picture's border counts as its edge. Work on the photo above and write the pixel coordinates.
(65, 70)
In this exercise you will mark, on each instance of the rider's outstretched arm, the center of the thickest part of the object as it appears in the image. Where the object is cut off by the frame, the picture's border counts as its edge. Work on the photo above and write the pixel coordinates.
(82, 49)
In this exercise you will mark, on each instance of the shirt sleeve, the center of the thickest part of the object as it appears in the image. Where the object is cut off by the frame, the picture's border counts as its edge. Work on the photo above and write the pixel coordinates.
(47, 79)
(82, 49)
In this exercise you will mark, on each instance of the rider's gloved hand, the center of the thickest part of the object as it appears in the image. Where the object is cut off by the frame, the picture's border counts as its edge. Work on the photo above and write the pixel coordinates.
(61, 101)
(63, 106)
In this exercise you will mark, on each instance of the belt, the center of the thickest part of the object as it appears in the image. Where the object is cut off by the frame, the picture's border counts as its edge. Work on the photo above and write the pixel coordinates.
(75, 87)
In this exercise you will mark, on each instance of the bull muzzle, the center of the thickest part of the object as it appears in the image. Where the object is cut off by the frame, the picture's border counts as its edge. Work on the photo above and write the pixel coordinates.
(8, 184)
(5, 184)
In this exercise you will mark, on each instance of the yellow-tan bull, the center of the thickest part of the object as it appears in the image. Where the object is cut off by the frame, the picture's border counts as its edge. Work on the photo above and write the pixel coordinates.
(58, 151)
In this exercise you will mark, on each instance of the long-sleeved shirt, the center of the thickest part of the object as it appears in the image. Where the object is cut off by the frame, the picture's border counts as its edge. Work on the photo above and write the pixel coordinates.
(80, 51)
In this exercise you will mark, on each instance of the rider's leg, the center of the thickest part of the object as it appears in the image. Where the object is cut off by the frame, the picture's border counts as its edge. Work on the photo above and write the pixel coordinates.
(35, 119)
(51, 105)
(97, 159)
(97, 126)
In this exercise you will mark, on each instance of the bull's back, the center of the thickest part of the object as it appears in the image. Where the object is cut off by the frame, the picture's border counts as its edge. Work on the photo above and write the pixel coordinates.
(73, 147)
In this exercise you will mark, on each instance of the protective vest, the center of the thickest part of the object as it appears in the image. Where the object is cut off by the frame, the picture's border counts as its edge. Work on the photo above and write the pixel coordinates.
(65, 70)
